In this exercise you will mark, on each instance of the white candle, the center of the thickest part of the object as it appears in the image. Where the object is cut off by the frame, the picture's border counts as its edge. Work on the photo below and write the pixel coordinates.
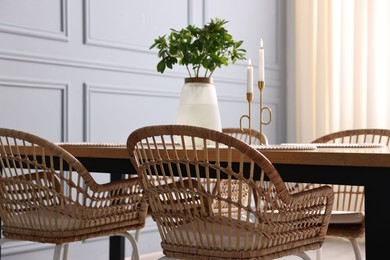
(249, 77)
(261, 62)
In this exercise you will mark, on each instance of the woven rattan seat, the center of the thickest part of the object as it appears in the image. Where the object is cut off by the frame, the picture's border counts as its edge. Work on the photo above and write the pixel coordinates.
(186, 160)
(48, 196)
(347, 219)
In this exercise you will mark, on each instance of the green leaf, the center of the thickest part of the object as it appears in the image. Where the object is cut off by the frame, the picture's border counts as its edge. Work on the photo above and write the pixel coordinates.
(161, 66)
(205, 48)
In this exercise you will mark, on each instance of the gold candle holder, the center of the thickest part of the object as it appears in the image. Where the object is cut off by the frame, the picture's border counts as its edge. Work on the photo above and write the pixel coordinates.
(261, 86)
(249, 97)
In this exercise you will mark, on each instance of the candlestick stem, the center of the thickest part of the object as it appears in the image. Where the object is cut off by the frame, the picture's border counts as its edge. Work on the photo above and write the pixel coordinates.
(249, 97)
(261, 86)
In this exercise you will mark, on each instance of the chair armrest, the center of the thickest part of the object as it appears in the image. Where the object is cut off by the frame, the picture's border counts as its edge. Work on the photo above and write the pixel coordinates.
(316, 201)
(315, 194)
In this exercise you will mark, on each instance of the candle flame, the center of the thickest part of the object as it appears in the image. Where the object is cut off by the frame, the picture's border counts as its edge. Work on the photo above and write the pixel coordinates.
(261, 43)
(249, 62)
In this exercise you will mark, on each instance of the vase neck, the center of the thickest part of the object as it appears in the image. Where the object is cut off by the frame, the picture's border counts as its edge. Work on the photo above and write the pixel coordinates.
(198, 80)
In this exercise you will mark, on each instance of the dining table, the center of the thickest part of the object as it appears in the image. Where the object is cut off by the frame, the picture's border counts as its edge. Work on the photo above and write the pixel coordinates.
(354, 164)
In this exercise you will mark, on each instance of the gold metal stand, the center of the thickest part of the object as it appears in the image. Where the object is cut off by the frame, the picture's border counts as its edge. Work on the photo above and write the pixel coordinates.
(261, 86)
(249, 97)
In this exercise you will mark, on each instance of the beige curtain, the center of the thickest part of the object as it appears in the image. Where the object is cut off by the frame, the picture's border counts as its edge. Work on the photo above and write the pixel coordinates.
(342, 66)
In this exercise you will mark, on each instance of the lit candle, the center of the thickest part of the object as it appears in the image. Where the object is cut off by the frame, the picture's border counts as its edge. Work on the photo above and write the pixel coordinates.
(249, 77)
(261, 62)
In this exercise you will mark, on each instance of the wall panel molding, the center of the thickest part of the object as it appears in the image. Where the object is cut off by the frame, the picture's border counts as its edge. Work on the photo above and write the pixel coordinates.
(271, 68)
(91, 88)
(61, 35)
(114, 44)
(89, 40)
(85, 64)
(62, 87)
(78, 63)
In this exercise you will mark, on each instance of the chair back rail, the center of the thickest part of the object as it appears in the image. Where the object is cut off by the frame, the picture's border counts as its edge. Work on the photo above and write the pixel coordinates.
(348, 197)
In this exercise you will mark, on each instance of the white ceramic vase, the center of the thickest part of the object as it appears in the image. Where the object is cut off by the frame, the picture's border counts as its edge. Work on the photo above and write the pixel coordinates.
(199, 104)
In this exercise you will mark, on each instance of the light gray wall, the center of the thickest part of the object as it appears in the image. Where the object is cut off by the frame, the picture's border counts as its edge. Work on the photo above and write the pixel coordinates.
(75, 70)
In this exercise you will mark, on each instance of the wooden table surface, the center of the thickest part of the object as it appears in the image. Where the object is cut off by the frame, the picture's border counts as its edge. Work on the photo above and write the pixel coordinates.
(372, 156)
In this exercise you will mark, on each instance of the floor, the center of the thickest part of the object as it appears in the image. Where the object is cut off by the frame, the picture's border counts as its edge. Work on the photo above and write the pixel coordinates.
(333, 249)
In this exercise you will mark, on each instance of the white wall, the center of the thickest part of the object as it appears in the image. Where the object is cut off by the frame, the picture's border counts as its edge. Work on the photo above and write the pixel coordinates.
(75, 70)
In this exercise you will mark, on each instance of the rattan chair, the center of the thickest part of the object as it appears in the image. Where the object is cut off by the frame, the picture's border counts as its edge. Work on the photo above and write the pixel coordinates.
(277, 224)
(254, 138)
(347, 219)
(48, 196)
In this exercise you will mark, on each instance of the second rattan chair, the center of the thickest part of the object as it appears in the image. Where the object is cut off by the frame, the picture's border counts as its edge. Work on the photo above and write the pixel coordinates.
(177, 164)
(347, 219)
(254, 138)
(48, 196)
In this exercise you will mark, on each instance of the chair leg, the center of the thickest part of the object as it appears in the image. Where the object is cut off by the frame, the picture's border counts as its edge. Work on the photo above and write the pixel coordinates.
(134, 244)
(57, 252)
(356, 248)
(137, 233)
(319, 254)
(304, 256)
(66, 251)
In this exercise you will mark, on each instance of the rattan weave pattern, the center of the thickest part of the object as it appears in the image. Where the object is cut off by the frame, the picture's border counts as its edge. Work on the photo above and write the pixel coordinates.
(254, 138)
(48, 196)
(276, 224)
(349, 198)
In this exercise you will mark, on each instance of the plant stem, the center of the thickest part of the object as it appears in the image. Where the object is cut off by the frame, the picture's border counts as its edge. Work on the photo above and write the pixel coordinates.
(189, 72)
